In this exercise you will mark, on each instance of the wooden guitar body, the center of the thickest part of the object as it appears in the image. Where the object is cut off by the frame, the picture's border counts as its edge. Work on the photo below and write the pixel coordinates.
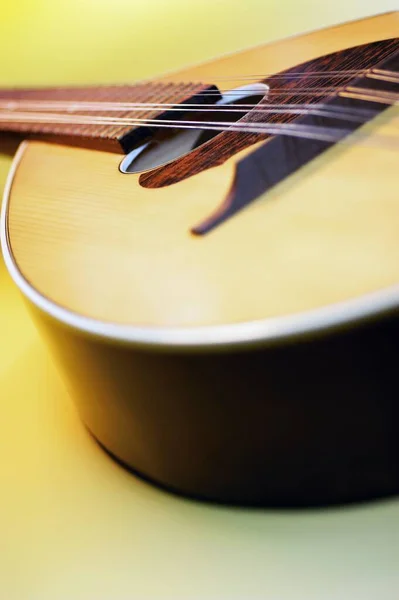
(253, 364)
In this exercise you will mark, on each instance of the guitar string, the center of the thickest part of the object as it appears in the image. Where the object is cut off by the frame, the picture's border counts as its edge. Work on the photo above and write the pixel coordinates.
(260, 76)
(12, 104)
(36, 117)
(106, 106)
(115, 106)
(375, 73)
(297, 91)
(345, 112)
(319, 109)
(311, 74)
(290, 129)
(388, 98)
(372, 73)
(291, 75)
(318, 88)
(319, 133)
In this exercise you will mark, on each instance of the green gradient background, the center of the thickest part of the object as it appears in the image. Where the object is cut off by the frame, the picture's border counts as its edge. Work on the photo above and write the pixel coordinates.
(73, 525)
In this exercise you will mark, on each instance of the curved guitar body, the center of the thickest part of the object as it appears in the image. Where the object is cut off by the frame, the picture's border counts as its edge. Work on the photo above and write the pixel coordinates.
(228, 338)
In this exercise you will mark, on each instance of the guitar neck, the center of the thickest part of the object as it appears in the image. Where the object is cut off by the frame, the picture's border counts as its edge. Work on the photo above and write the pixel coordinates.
(74, 115)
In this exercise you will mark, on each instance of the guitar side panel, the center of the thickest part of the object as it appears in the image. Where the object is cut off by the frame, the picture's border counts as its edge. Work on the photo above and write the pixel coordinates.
(294, 426)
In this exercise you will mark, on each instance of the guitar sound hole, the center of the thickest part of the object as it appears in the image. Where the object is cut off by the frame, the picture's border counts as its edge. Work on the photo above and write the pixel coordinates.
(169, 143)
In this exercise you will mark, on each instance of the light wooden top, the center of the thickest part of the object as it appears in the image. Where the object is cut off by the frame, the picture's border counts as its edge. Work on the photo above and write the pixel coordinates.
(95, 242)
(73, 524)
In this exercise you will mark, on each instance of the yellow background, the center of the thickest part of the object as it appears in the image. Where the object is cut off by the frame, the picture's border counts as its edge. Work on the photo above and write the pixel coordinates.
(73, 525)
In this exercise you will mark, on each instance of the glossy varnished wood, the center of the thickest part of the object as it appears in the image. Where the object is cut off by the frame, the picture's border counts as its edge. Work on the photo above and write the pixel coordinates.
(95, 241)
(282, 156)
(284, 88)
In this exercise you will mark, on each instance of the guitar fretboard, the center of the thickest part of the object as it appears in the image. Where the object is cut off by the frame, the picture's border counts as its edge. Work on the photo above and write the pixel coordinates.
(100, 135)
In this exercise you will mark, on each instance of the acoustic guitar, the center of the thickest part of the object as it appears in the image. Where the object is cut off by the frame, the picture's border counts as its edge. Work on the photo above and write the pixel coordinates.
(213, 258)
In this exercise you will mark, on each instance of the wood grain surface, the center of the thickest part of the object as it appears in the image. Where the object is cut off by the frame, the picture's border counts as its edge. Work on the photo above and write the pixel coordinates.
(95, 241)
(285, 88)
(113, 138)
